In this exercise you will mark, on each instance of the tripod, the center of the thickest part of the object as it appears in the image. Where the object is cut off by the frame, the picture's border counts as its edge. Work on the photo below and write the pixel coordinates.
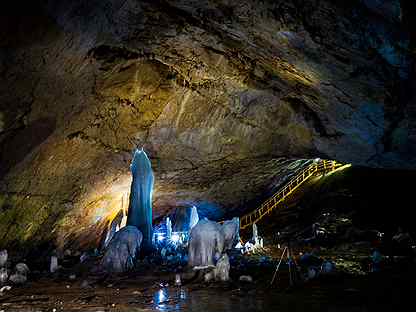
(290, 263)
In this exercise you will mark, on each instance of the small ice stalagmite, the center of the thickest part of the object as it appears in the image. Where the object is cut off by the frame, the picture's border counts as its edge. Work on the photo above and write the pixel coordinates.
(168, 228)
(222, 269)
(140, 205)
(255, 235)
(114, 227)
(20, 275)
(122, 250)
(22, 268)
(53, 264)
(194, 218)
(4, 275)
(3, 258)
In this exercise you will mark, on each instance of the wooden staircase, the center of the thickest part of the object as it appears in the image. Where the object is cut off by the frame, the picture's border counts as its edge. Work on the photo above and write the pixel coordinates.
(316, 168)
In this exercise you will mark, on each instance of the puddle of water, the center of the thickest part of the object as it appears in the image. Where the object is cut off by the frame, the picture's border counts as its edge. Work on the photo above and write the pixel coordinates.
(169, 299)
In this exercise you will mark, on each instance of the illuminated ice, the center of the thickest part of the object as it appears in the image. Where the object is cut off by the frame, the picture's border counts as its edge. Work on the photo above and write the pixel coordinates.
(114, 227)
(194, 217)
(4, 275)
(231, 231)
(140, 206)
(222, 269)
(255, 235)
(122, 250)
(53, 265)
(3, 257)
(175, 238)
(208, 238)
(168, 228)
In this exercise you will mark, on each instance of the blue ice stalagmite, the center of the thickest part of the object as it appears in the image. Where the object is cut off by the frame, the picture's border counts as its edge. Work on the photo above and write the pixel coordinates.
(140, 205)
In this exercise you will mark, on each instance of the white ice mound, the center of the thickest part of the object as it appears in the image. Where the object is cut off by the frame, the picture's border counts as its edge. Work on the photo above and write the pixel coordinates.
(122, 250)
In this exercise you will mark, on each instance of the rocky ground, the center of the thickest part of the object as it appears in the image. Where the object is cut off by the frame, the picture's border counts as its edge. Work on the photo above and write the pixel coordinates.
(151, 288)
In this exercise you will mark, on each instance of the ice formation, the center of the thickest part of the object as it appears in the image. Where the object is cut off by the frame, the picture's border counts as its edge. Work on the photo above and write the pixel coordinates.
(18, 278)
(3, 257)
(4, 275)
(140, 206)
(185, 219)
(22, 268)
(114, 227)
(20, 275)
(231, 231)
(206, 239)
(222, 269)
(194, 217)
(122, 250)
(255, 235)
(168, 228)
(53, 267)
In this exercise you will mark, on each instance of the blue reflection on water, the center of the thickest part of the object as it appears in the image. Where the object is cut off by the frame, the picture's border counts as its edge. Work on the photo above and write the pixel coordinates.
(166, 299)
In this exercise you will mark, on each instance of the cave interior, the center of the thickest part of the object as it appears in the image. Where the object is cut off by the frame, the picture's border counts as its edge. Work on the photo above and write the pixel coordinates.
(216, 155)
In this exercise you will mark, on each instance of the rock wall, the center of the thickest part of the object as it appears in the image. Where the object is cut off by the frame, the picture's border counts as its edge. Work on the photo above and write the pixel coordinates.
(227, 97)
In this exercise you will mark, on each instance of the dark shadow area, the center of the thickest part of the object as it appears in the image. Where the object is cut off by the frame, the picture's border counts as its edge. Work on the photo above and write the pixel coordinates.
(21, 142)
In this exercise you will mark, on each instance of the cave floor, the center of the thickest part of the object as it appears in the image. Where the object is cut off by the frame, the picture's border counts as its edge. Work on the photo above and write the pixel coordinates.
(149, 290)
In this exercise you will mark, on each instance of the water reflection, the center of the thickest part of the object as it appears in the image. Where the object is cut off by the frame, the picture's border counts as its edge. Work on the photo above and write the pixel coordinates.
(168, 299)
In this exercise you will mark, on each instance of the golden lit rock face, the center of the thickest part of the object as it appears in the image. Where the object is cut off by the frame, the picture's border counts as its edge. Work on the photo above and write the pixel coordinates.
(223, 96)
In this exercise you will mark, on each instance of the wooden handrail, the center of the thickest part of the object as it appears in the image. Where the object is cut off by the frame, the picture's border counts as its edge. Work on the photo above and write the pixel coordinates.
(318, 167)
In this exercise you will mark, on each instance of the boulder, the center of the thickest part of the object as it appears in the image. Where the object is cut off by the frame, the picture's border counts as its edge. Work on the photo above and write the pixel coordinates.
(246, 278)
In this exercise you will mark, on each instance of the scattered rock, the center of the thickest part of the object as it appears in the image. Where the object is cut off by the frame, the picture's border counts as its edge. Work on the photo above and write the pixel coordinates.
(5, 288)
(246, 278)
(85, 284)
